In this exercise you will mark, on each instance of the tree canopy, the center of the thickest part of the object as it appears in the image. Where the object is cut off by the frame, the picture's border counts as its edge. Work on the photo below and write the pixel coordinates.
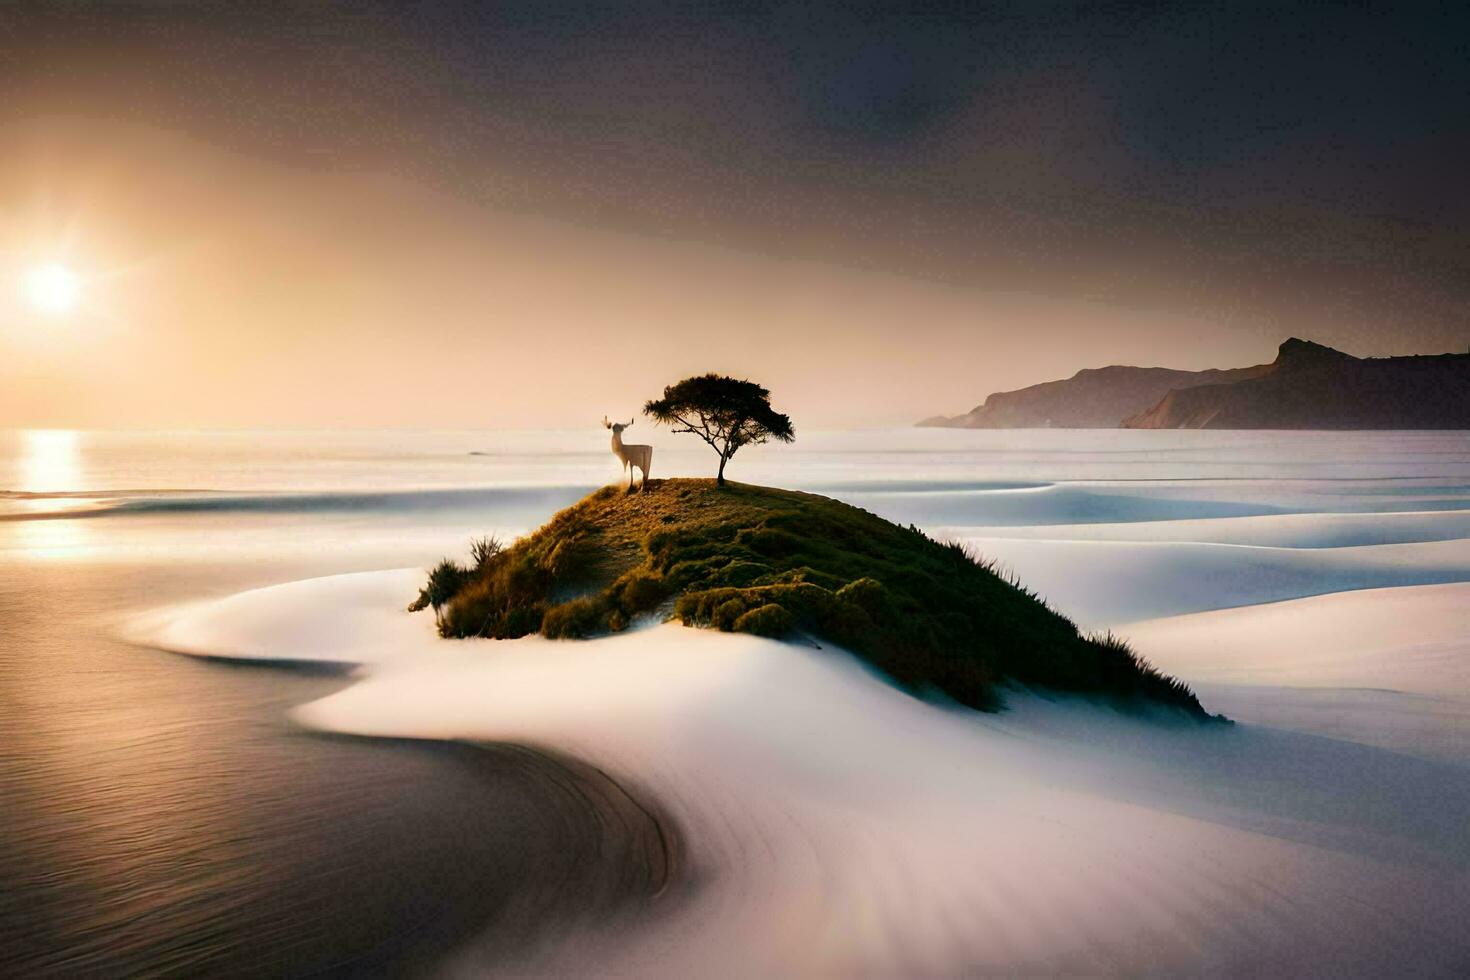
(722, 411)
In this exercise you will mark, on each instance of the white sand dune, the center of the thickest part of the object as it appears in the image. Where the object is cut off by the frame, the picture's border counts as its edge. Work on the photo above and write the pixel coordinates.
(1103, 583)
(1386, 667)
(834, 824)
(357, 618)
(1414, 639)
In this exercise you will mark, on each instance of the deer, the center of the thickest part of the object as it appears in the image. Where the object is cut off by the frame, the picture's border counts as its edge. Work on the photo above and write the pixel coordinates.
(631, 456)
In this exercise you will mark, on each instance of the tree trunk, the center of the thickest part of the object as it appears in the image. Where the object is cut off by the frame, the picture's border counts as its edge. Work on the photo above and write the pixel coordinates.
(720, 477)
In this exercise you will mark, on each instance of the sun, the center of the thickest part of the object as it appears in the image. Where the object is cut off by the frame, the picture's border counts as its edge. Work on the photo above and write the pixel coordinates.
(53, 288)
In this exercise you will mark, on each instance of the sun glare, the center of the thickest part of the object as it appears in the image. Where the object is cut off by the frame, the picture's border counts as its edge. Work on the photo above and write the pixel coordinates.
(53, 288)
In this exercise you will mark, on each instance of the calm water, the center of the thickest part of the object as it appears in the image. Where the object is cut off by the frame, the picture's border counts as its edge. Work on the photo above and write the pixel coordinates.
(160, 814)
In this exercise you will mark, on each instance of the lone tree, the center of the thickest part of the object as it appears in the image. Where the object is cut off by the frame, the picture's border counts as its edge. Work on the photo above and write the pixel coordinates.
(723, 412)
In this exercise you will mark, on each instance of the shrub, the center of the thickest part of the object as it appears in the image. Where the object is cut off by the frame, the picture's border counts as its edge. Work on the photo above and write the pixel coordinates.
(567, 559)
(639, 591)
(521, 621)
(575, 618)
(727, 612)
(738, 572)
(867, 594)
(445, 580)
(767, 620)
(805, 573)
(483, 551)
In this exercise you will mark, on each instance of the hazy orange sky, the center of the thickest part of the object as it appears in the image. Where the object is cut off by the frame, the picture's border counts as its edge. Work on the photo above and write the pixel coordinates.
(220, 290)
(453, 273)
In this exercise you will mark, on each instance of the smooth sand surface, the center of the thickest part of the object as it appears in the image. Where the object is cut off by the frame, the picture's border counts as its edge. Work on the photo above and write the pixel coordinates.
(1385, 667)
(1318, 530)
(833, 824)
(1101, 583)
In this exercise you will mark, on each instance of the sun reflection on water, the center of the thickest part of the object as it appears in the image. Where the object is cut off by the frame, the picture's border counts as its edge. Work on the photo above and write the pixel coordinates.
(50, 462)
(49, 466)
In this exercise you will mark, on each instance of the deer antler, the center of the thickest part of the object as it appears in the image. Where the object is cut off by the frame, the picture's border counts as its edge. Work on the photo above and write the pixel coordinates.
(605, 423)
(630, 423)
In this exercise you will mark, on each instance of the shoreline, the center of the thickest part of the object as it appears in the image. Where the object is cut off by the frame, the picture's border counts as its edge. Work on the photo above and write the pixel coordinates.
(619, 851)
(613, 858)
(813, 801)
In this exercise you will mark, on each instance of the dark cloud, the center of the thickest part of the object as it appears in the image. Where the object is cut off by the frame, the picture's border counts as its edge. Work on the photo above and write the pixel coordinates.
(1276, 160)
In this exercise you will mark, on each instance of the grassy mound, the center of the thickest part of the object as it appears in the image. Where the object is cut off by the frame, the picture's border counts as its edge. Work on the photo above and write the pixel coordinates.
(780, 563)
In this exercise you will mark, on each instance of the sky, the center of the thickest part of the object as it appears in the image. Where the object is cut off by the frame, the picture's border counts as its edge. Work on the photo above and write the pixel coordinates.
(515, 215)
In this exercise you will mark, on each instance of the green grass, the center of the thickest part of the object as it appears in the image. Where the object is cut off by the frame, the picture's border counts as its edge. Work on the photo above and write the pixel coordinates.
(781, 563)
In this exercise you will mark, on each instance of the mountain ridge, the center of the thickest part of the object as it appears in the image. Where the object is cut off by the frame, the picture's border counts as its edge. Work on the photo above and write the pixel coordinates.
(1308, 385)
(1317, 387)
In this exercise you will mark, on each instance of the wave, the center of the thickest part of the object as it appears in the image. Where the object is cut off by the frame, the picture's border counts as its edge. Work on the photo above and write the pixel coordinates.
(931, 486)
(92, 494)
(1052, 504)
(924, 503)
(125, 503)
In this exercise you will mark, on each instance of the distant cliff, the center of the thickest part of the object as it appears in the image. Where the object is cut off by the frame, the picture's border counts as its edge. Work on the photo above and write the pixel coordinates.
(1095, 398)
(1308, 386)
(1314, 387)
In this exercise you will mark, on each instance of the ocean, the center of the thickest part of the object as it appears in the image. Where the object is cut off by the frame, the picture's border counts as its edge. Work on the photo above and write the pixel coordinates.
(165, 814)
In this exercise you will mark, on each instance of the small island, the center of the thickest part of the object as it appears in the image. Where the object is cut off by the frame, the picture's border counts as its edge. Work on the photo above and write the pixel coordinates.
(786, 564)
